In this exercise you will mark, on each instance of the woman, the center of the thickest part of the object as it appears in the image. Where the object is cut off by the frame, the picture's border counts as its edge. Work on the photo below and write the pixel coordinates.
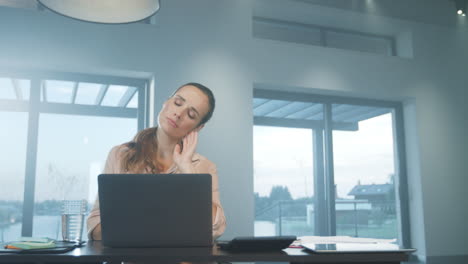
(168, 148)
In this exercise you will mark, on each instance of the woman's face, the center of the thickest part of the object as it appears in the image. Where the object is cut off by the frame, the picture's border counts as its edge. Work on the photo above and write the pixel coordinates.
(183, 112)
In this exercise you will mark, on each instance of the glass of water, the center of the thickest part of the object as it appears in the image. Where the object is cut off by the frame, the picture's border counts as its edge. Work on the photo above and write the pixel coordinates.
(73, 217)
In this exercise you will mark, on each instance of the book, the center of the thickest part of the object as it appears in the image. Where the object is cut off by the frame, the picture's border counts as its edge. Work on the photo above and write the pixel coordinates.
(31, 243)
(35, 239)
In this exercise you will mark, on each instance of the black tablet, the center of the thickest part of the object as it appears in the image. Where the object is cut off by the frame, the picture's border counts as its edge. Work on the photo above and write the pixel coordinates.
(251, 244)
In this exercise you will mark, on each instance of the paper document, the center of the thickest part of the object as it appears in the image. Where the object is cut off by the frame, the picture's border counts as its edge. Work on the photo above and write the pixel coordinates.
(338, 239)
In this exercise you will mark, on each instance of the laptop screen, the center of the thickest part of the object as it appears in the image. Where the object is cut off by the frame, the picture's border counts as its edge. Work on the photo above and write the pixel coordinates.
(156, 210)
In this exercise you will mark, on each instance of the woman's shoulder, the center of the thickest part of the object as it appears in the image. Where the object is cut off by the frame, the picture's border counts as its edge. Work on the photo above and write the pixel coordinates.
(118, 150)
(200, 160)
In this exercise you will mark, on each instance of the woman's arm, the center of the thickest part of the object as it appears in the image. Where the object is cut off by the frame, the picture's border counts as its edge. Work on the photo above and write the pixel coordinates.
(94, 222)
(94, 219)
(184, 159)
(219, 220)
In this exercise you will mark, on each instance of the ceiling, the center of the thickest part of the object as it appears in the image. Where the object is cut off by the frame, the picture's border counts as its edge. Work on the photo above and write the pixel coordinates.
(69, 92)
(436, 12)
(298, 111)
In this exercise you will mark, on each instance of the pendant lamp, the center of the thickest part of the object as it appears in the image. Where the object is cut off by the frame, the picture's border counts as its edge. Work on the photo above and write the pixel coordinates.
(104, 11)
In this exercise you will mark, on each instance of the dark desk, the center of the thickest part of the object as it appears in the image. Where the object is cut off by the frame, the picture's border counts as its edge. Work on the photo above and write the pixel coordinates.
(94, 252)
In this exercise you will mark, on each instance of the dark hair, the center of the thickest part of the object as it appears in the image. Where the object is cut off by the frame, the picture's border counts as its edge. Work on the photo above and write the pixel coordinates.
(208, 93)
(142, 150)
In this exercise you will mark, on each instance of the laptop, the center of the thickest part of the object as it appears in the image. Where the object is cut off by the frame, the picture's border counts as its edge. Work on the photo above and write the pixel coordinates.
(156, 210)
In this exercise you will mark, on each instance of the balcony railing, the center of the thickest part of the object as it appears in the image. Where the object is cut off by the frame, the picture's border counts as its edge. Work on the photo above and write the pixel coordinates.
(358, 218)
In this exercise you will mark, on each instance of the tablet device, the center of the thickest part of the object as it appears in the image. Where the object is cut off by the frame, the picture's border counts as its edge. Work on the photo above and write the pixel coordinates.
(251, 243)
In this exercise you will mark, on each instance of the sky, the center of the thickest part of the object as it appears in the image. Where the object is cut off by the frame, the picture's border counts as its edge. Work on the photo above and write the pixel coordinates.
(283, 156)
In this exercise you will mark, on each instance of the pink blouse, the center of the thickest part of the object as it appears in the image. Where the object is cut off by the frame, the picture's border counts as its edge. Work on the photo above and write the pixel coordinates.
(201, 164)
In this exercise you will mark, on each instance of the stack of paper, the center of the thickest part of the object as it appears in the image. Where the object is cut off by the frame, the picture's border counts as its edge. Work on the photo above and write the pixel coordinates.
(337, 239)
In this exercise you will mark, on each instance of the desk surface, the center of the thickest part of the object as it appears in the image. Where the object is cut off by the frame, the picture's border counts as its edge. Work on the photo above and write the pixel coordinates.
(96, 252)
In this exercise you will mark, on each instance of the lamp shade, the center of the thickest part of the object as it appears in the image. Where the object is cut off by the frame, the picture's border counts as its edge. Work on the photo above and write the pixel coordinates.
(104, 11)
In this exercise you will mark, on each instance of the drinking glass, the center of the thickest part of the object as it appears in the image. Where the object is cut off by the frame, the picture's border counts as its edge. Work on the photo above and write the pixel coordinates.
(73, 217)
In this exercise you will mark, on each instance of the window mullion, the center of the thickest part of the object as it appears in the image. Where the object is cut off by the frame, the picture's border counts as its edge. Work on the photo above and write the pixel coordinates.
(320, 211)
(401, 182)
(142, 114)
(31, 158)
(329, 172)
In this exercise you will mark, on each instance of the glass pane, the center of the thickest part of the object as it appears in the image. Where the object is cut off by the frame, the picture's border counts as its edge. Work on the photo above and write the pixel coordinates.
(58, 91)
(6, 89)
(71, 153)
(87, 93)
(364, 172)
(357, 42)
(25, 88)
(113, 95)
(12, 169)
(283, 181)
(133, 102)
(286, 31)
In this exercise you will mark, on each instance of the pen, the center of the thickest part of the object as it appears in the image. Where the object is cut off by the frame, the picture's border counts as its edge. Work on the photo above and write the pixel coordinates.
(11, 247)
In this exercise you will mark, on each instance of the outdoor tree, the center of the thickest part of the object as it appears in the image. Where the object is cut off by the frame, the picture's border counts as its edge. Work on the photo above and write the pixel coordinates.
(280, 193)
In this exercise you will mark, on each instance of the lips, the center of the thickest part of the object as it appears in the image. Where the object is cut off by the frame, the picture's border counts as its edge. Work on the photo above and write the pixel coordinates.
(172, 122)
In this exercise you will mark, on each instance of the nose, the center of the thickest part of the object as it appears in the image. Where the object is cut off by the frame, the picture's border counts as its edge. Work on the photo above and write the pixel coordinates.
(177, 114)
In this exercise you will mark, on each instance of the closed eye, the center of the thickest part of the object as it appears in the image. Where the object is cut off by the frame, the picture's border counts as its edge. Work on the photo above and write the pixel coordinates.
(177, 102)
(191, 115)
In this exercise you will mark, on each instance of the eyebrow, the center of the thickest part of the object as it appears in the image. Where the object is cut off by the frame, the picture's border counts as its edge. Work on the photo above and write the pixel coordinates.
(183, 99)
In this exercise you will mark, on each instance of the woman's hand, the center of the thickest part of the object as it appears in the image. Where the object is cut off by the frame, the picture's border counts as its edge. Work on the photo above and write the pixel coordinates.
(97, 234)
(183, 157)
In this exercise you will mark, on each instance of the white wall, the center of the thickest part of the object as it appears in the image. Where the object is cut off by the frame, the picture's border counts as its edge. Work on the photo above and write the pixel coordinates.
(210, 41)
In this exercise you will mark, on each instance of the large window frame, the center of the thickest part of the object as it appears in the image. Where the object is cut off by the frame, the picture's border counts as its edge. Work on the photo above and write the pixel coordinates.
(318, 35)
(34, 107)
(324, 187)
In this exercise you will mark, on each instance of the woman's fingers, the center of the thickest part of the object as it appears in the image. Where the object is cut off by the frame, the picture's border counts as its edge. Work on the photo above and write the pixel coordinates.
(183, 155)
(190, 141)
(194, 140)
(190, 144)
(177, 149)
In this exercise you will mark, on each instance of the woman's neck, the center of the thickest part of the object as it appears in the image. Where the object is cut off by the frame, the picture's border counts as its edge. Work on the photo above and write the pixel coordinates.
(166, 146)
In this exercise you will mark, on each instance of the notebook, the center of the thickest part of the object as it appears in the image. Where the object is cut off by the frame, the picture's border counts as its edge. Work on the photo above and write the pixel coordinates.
(156, 210)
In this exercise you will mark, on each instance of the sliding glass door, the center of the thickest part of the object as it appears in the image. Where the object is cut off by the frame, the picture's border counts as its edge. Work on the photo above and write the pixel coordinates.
(326, 165)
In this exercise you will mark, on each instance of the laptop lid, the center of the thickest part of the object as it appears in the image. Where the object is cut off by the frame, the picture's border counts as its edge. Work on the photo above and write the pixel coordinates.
(156, 210)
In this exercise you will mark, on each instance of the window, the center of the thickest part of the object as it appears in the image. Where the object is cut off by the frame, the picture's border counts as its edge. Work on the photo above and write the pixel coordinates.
(326, 165)
(288, 31)
(60, 128)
